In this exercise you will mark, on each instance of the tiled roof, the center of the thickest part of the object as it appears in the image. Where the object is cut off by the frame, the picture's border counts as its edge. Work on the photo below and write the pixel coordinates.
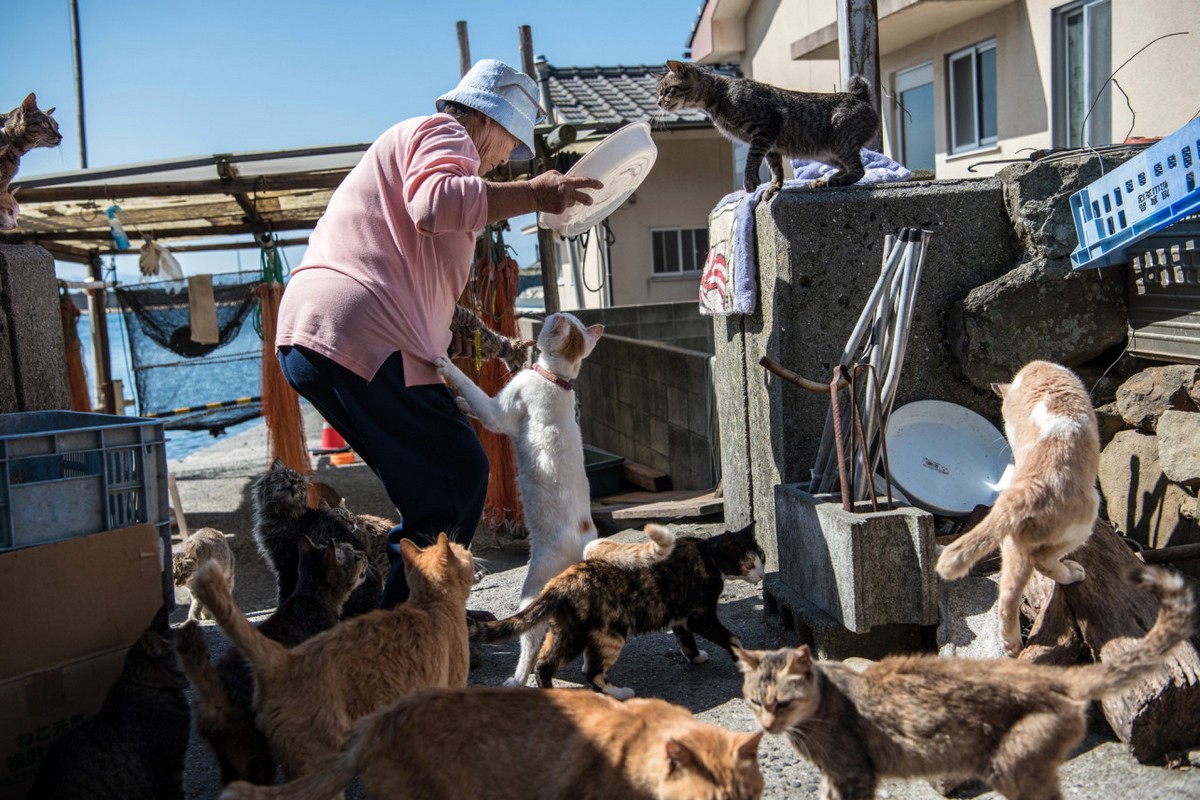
(615, 96)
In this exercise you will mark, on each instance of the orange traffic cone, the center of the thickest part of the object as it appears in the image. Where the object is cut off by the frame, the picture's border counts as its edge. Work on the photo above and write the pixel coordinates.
(331, 441)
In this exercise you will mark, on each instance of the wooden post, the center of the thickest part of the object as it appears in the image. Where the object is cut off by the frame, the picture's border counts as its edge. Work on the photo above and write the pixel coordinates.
(464, 47)
(547, 247)
(858, 49)
(98, 317)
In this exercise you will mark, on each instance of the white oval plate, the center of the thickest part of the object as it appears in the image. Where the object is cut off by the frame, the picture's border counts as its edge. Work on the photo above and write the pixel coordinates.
(946, 458)
(621, 162)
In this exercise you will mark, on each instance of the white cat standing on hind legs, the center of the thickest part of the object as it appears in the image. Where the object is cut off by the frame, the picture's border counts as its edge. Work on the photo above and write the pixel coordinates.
(537, 411)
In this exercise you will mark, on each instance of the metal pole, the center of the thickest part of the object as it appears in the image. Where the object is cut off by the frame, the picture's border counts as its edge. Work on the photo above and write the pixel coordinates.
(98, 317)
(464, 47)
(547, 248)
(83, 162)
(858, 49)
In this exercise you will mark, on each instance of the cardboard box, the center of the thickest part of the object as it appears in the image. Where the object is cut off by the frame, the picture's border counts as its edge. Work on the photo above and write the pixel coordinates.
(69, 611)
(36, 709)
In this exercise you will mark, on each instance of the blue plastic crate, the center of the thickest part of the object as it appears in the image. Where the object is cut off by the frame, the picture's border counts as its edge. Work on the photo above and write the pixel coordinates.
(1156, 188)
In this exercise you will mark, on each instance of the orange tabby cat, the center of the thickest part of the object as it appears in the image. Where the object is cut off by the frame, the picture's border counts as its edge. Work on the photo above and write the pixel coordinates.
(8, 210)
(307, 698)
(539, 745)
(1049, 508)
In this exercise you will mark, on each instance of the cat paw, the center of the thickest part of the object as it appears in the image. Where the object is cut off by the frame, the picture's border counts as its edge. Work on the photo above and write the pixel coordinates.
(462, 405)
(619, 692)
(1075, 572)
(1012, 647)
(771, 191)
(511, 682)
(443, 366)
(700, 658)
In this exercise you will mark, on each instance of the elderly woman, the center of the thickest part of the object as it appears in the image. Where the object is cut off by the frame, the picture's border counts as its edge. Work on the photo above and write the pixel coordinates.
(369, 307)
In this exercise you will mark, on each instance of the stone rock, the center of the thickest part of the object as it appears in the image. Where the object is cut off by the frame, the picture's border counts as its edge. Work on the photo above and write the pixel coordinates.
(1041, 309)
(970, 618)
(1143, 398)
(1038, 198)
(1142, 502)
(33, 369)
(1179, 446)
(1111, 422)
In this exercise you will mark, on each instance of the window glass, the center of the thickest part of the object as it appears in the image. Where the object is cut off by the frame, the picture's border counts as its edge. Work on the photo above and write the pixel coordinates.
(1099, 65)
(917, 128)
(962, 97)
(987, 96)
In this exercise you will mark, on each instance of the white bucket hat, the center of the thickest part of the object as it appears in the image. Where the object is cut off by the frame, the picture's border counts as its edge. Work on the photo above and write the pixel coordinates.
(507, 96)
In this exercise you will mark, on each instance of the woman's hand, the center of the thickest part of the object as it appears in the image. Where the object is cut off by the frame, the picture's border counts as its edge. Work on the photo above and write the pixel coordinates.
(554, 192)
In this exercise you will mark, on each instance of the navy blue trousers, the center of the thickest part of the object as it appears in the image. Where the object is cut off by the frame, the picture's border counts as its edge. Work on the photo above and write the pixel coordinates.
(413, 437)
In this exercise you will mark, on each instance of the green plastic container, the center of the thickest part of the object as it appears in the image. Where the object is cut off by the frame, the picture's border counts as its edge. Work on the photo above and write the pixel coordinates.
(603, 470)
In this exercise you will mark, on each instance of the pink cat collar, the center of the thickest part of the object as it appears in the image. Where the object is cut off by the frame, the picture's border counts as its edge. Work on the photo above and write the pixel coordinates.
(550, 376)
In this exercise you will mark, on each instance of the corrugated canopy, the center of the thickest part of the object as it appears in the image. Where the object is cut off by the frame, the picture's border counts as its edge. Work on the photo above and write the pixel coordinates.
(179, 200)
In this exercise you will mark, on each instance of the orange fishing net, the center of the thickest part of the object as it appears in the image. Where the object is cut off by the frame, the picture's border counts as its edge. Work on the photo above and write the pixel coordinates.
(280, 403)
(76, 377)
(492, 297)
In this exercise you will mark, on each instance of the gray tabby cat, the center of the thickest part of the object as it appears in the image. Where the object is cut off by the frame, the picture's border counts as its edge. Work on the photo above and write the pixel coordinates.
(830, 128)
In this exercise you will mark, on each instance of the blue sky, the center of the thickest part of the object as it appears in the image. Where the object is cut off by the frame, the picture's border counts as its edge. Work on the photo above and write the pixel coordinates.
(180, 78)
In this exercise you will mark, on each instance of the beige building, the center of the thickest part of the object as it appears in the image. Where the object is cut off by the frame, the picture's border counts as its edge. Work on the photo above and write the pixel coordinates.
(982, 80)
(657, 240)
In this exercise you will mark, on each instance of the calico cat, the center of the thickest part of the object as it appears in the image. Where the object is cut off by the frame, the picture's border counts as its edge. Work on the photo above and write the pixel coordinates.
(602, 750)
(633, 554)
(594, 606)
(282, 517)
(831, 128)
(536, 409)
(514, 352)
(202, 546)
(1011, 723)
(24, 128)
(1051, 504)
(307, 698)
(8, 210)
(136, 746)
(327, 577)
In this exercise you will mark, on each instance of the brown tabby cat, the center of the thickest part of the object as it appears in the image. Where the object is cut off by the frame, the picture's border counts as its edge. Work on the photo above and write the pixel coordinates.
(830, 128)
(135, 748)
(514, 352)
(1011, 723)
(593, 606)
(307, 698)
(1050, 506)
(327, 577)
(24, 128)
(540, 745)
(202, 546)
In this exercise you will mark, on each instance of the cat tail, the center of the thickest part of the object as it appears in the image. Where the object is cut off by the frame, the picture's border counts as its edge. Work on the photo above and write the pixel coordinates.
(633, 556)
(860, 88)
(191, 651)
(210, 586)
(961, 554)
(1176, 618)
(526, 619)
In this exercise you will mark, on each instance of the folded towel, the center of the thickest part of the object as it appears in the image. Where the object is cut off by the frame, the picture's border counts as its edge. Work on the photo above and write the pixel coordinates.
(740, 248)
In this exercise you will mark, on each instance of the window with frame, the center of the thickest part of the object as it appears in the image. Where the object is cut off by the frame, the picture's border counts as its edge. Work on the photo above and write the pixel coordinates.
(677, 251)
(971, 82)
(1082, 64)
(914, 117)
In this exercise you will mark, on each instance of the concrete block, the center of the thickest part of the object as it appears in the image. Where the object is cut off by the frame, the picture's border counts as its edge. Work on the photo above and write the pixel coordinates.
(34, 341)
(698, 411)
(970, 618)
(864, 569)
(677, 406)
(829, 640)
(1179, 446)
(659, 442)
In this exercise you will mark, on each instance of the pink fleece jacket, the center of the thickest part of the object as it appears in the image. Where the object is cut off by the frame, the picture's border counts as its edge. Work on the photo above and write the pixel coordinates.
(391, 254)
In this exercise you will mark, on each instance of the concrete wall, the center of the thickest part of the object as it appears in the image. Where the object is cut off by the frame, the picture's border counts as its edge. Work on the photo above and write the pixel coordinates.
(651, 403)
(33, 373)
(819, 256)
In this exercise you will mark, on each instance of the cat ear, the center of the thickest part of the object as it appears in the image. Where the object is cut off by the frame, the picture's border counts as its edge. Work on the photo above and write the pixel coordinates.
(560, 325)
(409, 550)
(333, 555)
(277, 463)
(747, 660)
(30, 103)
(443, 547)
(322, 504)
(679, 757)
(50, 110)
(306, 545)
(155, 644)
(747, 749)
(799, 660)
(674, 66)
(595, 332)
(1001, 389)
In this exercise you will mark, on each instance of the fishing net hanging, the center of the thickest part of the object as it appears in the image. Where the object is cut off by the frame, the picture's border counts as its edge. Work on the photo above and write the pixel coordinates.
(173, 372)
(280, 403)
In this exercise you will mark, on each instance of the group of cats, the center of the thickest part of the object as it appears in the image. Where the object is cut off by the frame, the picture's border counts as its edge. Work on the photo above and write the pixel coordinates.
(21, 130)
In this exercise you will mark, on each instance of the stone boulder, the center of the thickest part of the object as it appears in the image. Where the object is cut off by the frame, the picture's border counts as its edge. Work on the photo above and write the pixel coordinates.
(1041, 309)
(1141, 501)
(1110, 421)
(1038, 198)
(1143, 398)
(1179, 446)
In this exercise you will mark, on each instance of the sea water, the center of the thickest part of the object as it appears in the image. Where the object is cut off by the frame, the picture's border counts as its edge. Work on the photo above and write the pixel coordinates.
(179, 442)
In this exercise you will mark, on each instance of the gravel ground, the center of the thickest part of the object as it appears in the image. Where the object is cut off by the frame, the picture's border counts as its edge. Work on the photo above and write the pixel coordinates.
(214, 485)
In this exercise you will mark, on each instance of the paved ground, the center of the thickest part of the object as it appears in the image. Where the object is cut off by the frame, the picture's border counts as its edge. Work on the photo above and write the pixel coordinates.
(214, 485)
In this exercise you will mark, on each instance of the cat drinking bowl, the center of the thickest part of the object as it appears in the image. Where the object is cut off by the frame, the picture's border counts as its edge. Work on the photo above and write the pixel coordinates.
(946, 458)
(621, 162)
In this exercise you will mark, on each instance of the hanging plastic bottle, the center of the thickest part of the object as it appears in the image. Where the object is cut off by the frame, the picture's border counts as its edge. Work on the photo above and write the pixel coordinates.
(114, 225)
